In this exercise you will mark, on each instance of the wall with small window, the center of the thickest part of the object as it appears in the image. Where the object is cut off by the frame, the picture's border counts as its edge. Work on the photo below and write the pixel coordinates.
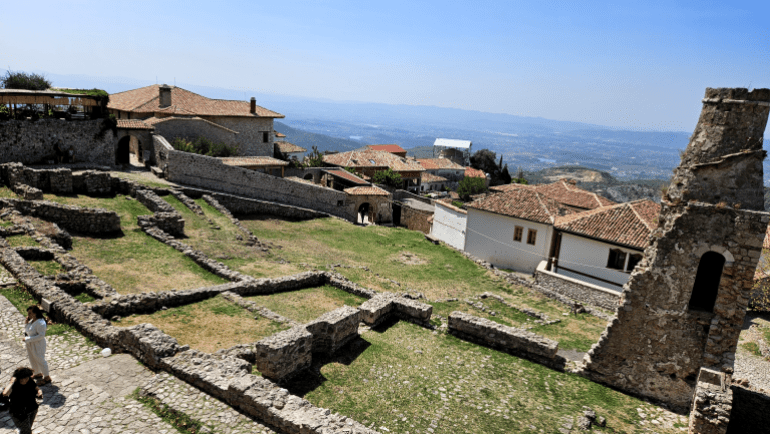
(493, 238)
(596, 262)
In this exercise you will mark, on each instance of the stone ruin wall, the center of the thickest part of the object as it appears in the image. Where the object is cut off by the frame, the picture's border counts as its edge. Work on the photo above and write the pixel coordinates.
(415, 219)
(210, 173)
(577, 290)
(32, 142)
(656, 345)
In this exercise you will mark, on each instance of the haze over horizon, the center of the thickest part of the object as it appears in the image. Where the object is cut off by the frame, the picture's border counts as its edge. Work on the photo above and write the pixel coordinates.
(636, 67)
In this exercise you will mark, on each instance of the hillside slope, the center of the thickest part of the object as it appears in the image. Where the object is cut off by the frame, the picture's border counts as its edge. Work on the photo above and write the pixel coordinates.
(601, 182)
(307, 140)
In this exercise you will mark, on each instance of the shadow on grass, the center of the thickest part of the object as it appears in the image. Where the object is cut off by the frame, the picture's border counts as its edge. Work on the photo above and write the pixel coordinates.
(312, 378)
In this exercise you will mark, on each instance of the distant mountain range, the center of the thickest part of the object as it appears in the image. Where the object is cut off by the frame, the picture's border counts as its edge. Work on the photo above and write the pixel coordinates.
(323, 142)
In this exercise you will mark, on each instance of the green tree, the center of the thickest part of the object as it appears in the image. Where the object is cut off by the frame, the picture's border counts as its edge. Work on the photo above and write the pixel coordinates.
(471, 186)
(315, 158)
(484, 160)
(387, 177)
(24, 80)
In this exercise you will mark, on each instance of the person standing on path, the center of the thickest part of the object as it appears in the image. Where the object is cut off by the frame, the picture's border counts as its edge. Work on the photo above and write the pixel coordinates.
(22, 392)
(35, 342)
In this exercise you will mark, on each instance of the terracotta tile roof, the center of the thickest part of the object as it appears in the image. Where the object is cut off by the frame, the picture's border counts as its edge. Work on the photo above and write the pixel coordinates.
(253, 161)
(565, 192)
(393, 149)
(155, 121)
(523, 203)
(371, 158)
(470, 172)
(366, 191)
(509, 187)
(146, 100)
(133, 124)
(288, 148)
(277, 134)
(629, 223)
(429, 177)
(347, 176)
(439, 163)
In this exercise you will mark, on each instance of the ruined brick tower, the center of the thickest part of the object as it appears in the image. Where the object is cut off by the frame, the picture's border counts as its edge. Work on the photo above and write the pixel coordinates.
(684, 304)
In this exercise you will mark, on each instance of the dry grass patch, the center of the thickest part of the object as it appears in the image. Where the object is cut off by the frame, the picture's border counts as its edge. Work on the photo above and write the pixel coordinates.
(134, 262)
(6, 192)
(307, 304)
(209, 325)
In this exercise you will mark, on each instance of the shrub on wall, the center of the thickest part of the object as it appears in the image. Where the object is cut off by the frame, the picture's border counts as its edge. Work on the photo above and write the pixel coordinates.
(25, 81)
(387, 177)
(204, 146)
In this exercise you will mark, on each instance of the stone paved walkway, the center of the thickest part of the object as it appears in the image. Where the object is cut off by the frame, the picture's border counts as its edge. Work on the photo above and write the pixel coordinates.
(90, 393)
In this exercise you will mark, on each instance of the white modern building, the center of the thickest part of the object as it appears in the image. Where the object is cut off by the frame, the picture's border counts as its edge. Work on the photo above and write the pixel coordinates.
(512, 230)
(449, 224)
(602, 246)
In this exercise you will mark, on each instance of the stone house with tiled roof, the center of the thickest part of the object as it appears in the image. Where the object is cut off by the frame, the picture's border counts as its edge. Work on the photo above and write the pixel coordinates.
(367, 162)
(176, 112)
(392, 148)
(602, 246)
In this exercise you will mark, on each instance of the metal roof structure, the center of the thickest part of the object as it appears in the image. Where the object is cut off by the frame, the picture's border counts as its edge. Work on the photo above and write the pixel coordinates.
(453, 143)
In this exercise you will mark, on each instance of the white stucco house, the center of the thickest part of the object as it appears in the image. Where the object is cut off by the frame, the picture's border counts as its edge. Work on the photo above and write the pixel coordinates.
(449, 224)
(513, 229)
(602, 246)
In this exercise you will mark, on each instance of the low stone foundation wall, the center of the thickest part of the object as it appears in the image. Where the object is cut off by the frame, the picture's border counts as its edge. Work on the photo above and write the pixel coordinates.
(252, 240)
(712, 403)
(509, 339)
(76, 219)
(27, 192)
(577, 290)
(245, 206)
(257, 309)
(284, 354)
(332, 330)
(377, 309)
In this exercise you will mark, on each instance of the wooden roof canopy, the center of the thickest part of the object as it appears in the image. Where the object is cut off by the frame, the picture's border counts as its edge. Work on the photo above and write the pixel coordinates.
(51, 97)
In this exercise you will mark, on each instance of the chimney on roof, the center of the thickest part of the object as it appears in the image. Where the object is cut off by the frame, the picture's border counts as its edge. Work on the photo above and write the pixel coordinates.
(253, 109)
(164, 92)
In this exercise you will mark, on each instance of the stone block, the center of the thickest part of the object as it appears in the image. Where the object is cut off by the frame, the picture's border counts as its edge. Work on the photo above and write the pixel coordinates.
(284, 354)
(334, 329)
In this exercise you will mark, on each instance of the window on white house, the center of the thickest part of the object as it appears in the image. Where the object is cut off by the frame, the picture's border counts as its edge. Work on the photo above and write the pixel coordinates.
(531, 237)
(617, 259)
(518, 231)
(633, 259)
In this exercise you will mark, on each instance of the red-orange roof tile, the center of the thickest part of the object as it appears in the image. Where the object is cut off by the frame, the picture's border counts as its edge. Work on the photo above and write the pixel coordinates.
(571, 195)
(288, 148)
(133, 124)
(366, 191)
(439, 163)
(523, 203)
(393, 149)
(629, 224)
(347, 176)
(470, 172)
(371, 158)
(429, 177)
(183, 102)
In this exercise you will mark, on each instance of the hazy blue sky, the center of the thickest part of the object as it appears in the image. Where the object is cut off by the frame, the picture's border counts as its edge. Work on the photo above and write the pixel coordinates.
(633, 64)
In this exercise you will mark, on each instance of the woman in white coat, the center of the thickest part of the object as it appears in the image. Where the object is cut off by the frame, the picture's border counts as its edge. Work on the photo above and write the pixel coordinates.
(35, 342)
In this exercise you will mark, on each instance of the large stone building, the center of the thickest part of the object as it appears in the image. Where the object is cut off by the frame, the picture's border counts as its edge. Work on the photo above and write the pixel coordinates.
(368, 162)
(176, 112)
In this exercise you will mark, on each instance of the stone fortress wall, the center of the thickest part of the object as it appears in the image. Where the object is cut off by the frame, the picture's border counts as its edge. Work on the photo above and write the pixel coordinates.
(32, 142)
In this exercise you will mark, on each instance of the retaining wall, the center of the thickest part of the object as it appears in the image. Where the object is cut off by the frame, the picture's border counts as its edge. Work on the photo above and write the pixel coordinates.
(31, 142)
(576, 290)
(82, 220)
(210, 173)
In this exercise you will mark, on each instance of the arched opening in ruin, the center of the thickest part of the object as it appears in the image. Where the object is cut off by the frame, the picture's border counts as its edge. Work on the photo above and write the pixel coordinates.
(308, 177)
(122, 154)
(363, 213)
(706, 287)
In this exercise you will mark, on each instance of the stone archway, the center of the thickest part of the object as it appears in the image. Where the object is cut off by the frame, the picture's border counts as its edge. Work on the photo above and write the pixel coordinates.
(364, 213)
(123, 151)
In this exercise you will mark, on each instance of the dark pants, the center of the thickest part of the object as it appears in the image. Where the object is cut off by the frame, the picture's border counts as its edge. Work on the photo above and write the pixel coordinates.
(24, 421)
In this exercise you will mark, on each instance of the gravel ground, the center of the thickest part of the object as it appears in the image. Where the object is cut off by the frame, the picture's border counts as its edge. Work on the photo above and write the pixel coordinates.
(749, 366)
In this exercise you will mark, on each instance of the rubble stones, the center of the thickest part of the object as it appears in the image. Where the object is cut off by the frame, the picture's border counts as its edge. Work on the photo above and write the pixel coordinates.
(712, 403)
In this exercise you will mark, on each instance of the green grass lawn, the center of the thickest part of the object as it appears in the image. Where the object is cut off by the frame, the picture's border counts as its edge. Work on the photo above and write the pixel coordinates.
(134, 262)
(7, 192)
(209, 325)
(222, 244)
(22, 241)
(408, 379)
(47, 268)
(307, 304)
